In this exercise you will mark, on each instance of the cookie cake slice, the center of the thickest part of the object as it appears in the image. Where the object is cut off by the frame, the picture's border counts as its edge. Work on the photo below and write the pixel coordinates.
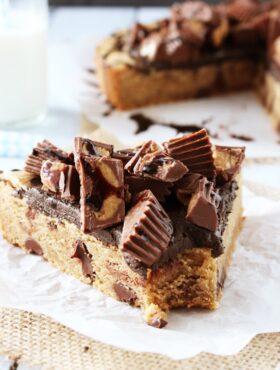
(153, 226)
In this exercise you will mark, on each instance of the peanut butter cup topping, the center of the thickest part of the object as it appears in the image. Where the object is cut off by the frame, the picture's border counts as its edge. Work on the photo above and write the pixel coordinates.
(228, 161)
(147, 230)
(152, 202)
(44, 151)
(95, 148)
(195, 151)
(102, 191)
(243, 10)
(202, 208)
(60, 178)
(157, 165)
(193, 10)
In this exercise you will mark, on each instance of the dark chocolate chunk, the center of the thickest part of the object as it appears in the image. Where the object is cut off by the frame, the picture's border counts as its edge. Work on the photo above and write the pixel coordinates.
(93, 148)
(185, 187)
(33, 246)
(160, 166)
(158, 323)
(228, 161)
(44, 151)
(160, 189)
(124, 294)
(81, 252)
(202, 208)
(60, 178)
(102, 191)
(147, 230)
(195, 151)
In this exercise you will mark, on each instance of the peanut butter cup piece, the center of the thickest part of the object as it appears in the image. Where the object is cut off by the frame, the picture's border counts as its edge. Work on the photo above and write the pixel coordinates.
(146, 148)
(228, 161)
(160, 166)
(160, 189)
(90, 147)
(185, 187)
(193, 10)
(102, 191)
(60, 178)
(147, 230)
(195, 151)
(202, 208)
(243, 10)
(44, 151)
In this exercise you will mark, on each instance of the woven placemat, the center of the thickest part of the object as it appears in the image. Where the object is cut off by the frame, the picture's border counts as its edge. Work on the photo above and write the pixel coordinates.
(40, 341)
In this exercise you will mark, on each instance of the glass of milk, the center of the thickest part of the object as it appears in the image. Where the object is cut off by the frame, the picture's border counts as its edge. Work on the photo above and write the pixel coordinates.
(23, 62)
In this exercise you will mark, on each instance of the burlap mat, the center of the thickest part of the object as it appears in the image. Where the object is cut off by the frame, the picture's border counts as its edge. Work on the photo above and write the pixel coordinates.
(40, 341)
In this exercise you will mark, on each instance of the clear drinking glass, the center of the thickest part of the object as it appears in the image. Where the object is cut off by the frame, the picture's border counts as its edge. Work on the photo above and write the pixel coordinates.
(23, 61)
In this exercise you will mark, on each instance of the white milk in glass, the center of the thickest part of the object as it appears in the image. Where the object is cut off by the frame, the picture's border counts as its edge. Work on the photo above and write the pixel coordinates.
(23, 67)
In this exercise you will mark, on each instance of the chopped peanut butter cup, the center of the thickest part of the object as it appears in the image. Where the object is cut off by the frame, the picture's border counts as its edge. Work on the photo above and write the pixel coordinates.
(228, 161)
(243, 10)
(160, 189)
(102, 191)
(195, 151)
(60, 178)
(160, 166)
(202, 208)
(147, 230)
(185, 187)
(44, 151)
(148, 147)
(95, 148)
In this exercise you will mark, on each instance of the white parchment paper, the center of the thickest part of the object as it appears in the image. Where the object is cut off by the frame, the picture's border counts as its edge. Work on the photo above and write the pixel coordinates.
(223, 116)
(250, 305)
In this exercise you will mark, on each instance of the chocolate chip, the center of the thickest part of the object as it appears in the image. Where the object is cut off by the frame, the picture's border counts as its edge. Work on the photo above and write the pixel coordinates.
(31, 213)
(124, 294)
(33, 246)
(158, 323)
(81, 252)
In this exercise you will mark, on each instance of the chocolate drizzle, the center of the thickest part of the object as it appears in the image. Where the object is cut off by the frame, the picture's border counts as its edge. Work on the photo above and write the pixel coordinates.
(144, 123)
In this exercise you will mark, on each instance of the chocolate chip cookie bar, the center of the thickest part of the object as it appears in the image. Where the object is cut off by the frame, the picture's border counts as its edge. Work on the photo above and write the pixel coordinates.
(154, 226)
